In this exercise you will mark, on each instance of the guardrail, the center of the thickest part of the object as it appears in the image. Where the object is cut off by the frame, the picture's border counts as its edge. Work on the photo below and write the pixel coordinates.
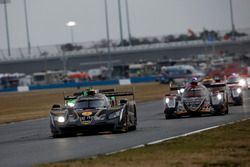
(81, 84)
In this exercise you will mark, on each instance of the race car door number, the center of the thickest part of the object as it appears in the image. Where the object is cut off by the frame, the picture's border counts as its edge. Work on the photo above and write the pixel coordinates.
(86, 118)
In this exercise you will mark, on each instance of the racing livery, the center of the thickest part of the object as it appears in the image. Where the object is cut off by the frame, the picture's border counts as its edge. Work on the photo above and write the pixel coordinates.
(93, 110)
(196, 99)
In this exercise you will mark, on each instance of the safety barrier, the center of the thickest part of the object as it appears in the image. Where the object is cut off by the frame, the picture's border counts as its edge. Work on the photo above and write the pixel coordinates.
(82, 84)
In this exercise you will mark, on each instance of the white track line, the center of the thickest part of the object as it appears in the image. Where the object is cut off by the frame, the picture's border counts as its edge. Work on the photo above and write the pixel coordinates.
(175, 137)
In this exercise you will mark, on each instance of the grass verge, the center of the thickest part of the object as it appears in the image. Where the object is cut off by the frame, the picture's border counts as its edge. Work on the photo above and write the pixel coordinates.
(227, 146)
(36, 104)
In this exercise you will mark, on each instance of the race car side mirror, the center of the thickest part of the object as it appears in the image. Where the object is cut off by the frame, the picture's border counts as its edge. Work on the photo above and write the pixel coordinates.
(56, 107)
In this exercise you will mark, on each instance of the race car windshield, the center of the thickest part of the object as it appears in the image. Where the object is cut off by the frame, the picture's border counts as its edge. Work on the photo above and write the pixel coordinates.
(93, 103)
(233, 80)
(194, 93)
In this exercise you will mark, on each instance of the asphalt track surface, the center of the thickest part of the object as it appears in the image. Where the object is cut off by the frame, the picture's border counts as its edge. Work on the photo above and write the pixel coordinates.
(29, 143)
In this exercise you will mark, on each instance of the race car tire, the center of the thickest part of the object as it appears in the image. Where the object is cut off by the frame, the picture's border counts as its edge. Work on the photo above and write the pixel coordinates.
(219, 112)
(125, 124)
(122, 128)
(238, 101)
(57, 135)
(54, 132)
(168, 116)
(135, 120)
(227, 110)
(195, 114)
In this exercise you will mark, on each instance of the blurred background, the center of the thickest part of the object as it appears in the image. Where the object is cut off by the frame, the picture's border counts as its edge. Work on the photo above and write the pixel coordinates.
(46, 42)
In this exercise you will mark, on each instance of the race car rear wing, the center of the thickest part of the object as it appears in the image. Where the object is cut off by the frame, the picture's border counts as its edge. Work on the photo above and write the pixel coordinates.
(176, 88)
(216, 85)
(70, 97)
(106, 90)
(116, 94)
(76, 94)
(179, 89)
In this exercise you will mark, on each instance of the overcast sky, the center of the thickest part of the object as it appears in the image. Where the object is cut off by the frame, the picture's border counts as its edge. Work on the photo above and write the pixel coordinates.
(47, 19)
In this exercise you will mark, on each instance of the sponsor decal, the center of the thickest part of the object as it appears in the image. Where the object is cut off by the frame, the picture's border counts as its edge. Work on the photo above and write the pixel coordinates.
(86, 114)
(193, 104)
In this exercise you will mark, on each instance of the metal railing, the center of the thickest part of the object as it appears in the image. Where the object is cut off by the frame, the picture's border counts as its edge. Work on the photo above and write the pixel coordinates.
(92, 48)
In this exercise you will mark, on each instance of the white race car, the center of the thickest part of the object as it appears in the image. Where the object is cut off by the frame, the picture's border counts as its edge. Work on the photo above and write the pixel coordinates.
(196, 99)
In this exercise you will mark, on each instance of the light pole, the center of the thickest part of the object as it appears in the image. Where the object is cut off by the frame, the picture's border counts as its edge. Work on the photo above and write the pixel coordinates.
(27, 26)
(4, 2)
(120, 21)
(128, 22)
(108, 38)
(71, 25)
(232, 19)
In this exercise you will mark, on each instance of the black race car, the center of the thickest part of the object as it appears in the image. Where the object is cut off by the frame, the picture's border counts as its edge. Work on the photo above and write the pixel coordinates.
(93, 111)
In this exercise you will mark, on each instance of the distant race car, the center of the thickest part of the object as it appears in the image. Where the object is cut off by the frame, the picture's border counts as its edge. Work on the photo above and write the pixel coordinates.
(236, 85)
(196, 99)
(208, 81)
(93, 111)
(178, 74)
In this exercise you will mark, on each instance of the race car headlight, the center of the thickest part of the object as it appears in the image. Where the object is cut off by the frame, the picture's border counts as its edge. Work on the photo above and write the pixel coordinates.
(238, 90)
(219, 96)
(60, 119)
(114, 114)
(167, 100)
(242, 82)
(182, 90)
(70, 104)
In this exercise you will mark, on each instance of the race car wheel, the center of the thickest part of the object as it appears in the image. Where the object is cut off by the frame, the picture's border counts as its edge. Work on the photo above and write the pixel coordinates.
(57, 135)
(168, 116)
(125, 124)
(135, 120)
(226, 112)
(240, 103)
(195, 114)
(227, 108)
